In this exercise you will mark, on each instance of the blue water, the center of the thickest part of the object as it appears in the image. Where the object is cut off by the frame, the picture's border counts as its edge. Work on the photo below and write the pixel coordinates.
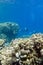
(27, 13)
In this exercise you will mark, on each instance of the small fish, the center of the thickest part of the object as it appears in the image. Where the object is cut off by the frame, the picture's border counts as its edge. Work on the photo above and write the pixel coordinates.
(24, 30)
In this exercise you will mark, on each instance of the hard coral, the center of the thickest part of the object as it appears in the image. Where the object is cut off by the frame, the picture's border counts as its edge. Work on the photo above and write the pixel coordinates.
(23, 51)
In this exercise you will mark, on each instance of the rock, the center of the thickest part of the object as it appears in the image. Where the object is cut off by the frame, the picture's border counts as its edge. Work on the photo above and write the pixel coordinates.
(8, 30)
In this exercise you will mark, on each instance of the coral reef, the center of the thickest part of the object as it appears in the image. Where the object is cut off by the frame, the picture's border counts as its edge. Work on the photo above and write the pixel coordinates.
(23, 51)
(8, 30)
(2, 42)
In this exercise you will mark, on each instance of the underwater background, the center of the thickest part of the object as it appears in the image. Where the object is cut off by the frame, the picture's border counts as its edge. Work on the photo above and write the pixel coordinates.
(27, 13)
(21, 32)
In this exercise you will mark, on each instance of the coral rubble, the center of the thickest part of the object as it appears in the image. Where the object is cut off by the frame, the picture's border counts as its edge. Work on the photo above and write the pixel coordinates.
(23, 51)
